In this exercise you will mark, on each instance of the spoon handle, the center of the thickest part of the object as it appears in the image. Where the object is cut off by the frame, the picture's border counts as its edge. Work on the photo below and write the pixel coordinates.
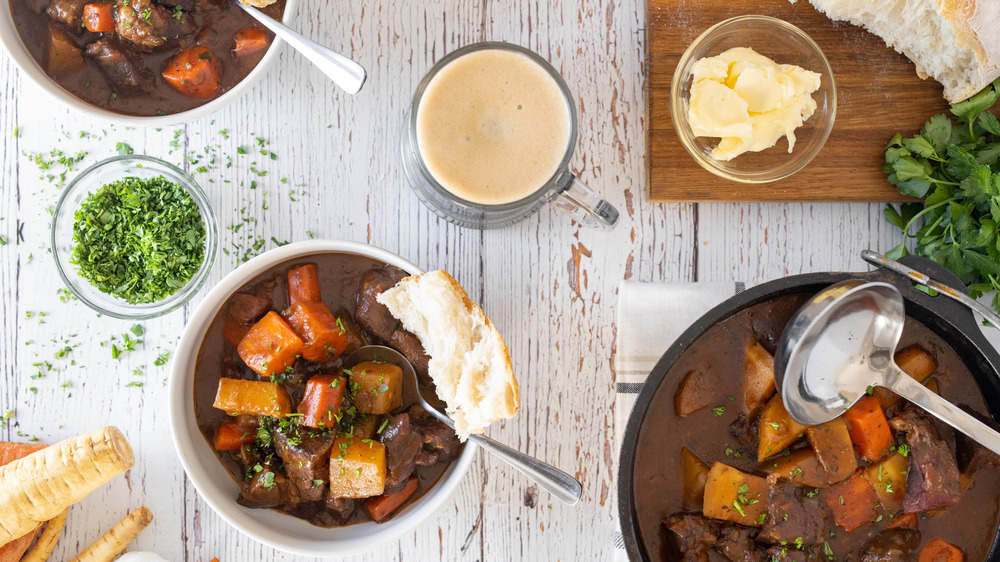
(344, 72)
(945, 411)
(556, 482)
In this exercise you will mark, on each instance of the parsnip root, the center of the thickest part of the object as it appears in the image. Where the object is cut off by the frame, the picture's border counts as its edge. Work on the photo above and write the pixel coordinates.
(47, 540)
(115, 541)
(43, 484)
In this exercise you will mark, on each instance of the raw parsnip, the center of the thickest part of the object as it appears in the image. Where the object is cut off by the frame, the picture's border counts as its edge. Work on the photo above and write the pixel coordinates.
(43, 484)
(115, 541)
(47, 540)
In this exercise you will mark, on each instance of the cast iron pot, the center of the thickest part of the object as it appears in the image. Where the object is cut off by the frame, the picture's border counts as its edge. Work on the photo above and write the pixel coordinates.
(949, 319)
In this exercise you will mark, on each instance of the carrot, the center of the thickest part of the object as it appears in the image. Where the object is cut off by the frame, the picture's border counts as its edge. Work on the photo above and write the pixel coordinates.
(99, 17)
(382, 506)
(12, 551)
(43, 484)
(259, 398)
(303, 284)
(10, 452)
(908, 521)
(325, 337)
(229, 436)
(852, 502)
(115, 541)
(271, 346)
(249, 40)
(47, 540)
(869, 429)
(234, 332)
(941, 551)
(194, 72)
(319, 406)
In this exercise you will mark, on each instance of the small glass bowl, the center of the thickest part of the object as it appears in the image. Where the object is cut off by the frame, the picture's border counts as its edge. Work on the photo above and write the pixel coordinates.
(783, 43)
(91, 180)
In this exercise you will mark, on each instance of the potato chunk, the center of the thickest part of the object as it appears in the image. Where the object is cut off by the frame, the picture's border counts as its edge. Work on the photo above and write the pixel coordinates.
(834, 449)
(735, 496)
(777, 429)
(378, 387)
(888, 478)
(357, 468)
(694, 472)
(258, 398)
(695, 392)
(914, 361)
(758, 378)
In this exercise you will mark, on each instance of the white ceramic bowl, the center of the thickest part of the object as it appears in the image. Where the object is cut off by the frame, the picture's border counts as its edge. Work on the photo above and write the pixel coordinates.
(213, 481)
(11, 41)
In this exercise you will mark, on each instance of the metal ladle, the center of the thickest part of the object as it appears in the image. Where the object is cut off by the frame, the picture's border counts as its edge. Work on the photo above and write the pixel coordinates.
(556, 482)
(344, 72)
(840, 343)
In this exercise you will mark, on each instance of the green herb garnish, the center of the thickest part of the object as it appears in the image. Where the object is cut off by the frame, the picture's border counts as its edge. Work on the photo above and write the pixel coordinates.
(139, 240)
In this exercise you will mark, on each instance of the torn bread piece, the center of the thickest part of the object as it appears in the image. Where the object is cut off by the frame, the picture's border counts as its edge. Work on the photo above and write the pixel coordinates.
(470, 364)
(955, 42)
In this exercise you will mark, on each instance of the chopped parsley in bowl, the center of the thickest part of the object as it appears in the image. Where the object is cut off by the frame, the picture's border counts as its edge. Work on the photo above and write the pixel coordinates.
(134, 237)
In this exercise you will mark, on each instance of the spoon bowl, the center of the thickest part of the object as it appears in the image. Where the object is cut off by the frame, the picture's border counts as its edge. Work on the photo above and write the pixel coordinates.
(556, 482)
(840, 344)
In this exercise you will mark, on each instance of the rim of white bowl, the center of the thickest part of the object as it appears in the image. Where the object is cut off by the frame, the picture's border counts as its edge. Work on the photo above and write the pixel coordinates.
(195, 448)
(14, 45)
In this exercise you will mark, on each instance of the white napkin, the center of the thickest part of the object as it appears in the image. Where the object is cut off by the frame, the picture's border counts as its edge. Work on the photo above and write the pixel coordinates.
(650, 317)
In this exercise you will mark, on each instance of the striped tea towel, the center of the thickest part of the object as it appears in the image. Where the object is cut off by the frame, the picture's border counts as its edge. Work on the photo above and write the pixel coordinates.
(650, 317)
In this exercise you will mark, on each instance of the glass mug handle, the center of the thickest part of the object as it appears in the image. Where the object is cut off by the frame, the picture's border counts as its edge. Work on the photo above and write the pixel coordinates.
(583, 204)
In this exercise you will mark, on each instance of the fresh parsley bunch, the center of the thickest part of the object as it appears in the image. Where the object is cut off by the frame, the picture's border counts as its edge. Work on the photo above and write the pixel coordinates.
(954, 164)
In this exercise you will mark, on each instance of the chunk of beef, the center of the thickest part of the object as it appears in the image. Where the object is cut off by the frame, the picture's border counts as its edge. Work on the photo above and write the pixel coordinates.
(66, 12)
(789, 554)
(440, 442)
(411, 348)
(736, 544)
(970, 455)
(932, 479)
(267, 488)
(37, 6)
(341, 508)
(147, 25)
(691, 536)
(355, 338)
(892, 545)
(193, 5)
(123, 70)
(306, 454)
(792, 515)
(744, 430)
(402, 445)
(372, 315)
(246, 307)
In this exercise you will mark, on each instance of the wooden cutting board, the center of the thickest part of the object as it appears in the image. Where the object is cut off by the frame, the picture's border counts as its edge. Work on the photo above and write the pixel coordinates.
(879, 93)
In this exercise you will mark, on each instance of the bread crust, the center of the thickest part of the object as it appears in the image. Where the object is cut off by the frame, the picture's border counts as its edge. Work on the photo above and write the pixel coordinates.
(972, 21)
(512, 399)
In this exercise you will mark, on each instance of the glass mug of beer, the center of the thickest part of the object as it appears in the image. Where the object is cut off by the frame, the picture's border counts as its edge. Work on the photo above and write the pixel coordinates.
(488, 139)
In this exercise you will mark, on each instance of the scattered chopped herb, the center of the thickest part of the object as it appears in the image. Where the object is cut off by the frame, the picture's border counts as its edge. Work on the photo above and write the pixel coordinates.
(718, 410)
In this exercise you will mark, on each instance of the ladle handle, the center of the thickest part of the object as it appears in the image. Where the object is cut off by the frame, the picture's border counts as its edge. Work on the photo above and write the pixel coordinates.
(554, 481)
(945, 411)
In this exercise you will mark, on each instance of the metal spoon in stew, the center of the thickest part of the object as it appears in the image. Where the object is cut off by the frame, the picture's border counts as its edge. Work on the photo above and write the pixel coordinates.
(344, 72)
(840, 344)
(561, 485)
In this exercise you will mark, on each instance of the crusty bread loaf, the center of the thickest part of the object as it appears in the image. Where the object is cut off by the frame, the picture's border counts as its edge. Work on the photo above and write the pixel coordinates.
(469, 360)
(956, 42)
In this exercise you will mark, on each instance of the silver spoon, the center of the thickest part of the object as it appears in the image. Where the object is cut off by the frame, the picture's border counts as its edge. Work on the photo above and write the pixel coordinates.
(840, 343)
(344, 72)
(879, 260)
(556, 482)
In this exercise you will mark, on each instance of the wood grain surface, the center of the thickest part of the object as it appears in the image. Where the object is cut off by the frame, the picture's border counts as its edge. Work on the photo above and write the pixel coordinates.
(548, 285)
(878, 89)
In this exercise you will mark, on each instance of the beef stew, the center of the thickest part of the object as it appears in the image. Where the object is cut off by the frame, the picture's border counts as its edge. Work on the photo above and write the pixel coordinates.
(301, 431)
(883, 482)
(143, 57)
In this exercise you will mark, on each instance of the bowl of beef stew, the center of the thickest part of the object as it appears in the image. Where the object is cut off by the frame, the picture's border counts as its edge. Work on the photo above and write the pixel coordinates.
(285, 441)
(712, 467)
(141, 62)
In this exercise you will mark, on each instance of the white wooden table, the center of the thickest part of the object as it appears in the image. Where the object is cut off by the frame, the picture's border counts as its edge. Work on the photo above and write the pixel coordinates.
(549, 286)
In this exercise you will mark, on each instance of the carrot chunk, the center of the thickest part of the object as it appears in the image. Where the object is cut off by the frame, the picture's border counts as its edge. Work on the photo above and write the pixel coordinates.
(941, 551)
(99, 17)
(319, 406)
(382, 506)
(852, 502)
(907, 521)
(303, 284)
(324, 336)
(234, 332)
(869, 429)
(229, 436)
(194, 72)
(271, 345)
(249, 40)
